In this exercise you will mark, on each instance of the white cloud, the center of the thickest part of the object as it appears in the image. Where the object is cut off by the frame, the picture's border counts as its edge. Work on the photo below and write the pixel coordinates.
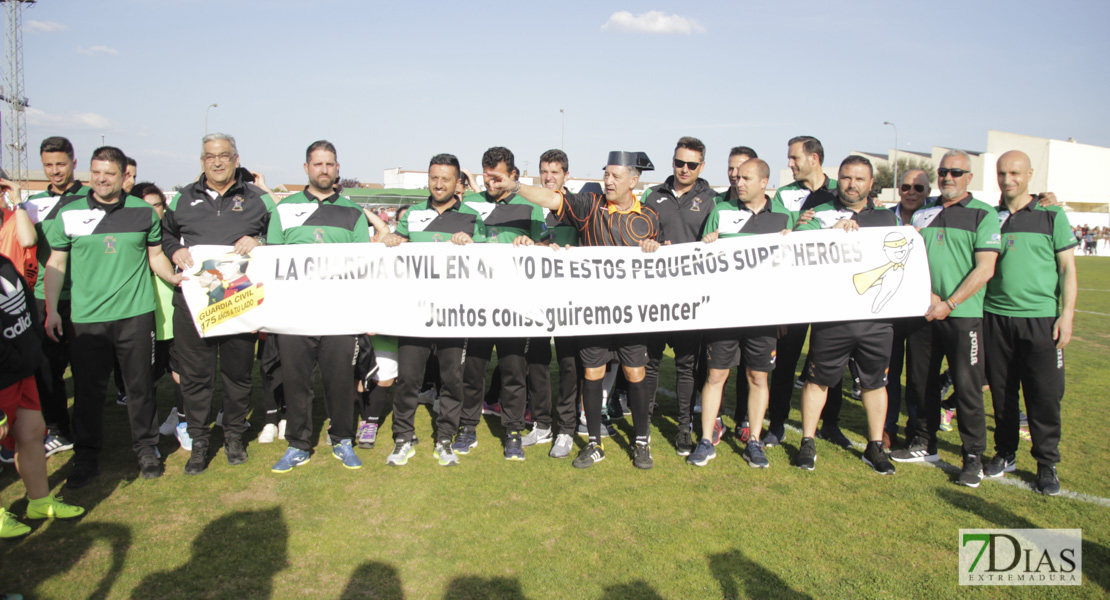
(44, 27)
(70, 121)
(651, 22)
(97, 50)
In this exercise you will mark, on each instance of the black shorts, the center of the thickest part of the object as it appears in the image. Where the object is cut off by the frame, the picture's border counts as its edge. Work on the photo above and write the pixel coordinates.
(725, 348)
(832, 344)
(599, 350)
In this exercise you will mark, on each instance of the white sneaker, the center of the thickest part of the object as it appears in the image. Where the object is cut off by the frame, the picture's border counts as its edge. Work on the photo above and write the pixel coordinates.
(537, 436)
(281, 429)
(220, 419)
(183, 437)
(269, 434)
(564, 443)
(170, 424)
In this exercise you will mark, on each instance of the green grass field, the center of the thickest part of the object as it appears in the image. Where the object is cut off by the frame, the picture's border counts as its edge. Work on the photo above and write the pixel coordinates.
(541, 529)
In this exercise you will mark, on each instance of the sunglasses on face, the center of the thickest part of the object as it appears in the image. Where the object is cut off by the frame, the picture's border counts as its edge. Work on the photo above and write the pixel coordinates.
(956, 173)
(917, 187)
(678, 164)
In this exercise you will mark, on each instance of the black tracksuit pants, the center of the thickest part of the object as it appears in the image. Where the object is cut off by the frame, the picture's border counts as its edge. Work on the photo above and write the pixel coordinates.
(514, 369)
(95, 347)
(412, 357)
(1021, 353)
(198, 359)
(50, 378)
(566, 407)
(687, 346)
(299, 356)
(273, 384)
(960, 340)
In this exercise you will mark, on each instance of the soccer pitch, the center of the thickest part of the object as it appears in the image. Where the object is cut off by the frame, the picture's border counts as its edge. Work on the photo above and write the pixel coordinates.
(538, 529)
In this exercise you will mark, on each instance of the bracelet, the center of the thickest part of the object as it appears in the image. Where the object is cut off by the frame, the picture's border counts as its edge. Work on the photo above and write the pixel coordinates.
(952, 304)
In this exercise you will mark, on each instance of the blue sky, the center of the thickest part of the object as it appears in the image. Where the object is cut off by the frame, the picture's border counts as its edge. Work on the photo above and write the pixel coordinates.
(393, 83)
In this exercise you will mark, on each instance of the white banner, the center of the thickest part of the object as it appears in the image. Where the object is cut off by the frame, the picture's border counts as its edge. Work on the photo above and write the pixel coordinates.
(495, 290)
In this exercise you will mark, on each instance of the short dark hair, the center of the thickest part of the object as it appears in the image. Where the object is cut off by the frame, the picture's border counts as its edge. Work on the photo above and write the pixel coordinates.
(742, 151)
(146, 188)
(131, 162)
(56, 143)
(445, 159)
(113, 155)
(856, 159)
(499, 154)
(320, 145)
(556, 156)
(811, 145)
(691, 143)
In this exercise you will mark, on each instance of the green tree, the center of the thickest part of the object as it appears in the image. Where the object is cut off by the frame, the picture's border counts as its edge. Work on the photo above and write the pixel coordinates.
(884, 175)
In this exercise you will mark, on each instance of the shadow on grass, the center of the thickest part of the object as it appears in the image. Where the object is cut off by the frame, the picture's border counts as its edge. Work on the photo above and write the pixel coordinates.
(473, 588)
(235, 556)
(1096, 557)
(374, 580)
(741, 577)
(54, 552)
(636, 590)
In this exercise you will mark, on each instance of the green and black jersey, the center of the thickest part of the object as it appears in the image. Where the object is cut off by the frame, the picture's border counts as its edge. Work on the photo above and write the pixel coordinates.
(107, 246)
(506, 220)
(952, 237)
(828, 214)
(42, 208)
(303, 219)
(1026, 281)
(796, 197)
(423, 223)
(732, 218)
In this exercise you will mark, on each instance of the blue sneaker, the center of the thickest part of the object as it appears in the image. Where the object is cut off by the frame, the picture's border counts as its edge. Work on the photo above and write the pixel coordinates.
(774, 436)
(514, 448)
(702, 454)
(54, 443)
(753, 453)
(7, 456)
(346, 453)
(465, 441)
(183, 437)
(293, 457)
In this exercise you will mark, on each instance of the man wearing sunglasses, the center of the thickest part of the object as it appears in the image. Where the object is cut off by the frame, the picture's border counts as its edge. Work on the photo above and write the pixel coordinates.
(1024, 330)
(810, 188)
(962, 240)
(914, 192)
(684, 202)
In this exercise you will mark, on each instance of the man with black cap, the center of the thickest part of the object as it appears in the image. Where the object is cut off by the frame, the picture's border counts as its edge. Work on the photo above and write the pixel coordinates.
(223, 207)
(684, 202)
(615, 218)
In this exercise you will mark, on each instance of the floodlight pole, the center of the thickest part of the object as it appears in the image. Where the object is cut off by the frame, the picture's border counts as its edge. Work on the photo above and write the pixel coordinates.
(563, 142)
(896, 182)
(210, 107)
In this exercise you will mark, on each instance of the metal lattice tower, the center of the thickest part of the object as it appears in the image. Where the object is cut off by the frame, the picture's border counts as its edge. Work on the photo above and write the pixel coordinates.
(12, 95)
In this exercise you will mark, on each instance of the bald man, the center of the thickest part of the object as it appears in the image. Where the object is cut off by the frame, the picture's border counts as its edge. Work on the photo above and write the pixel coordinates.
(914, 192)
(1024, 330)
(962, 242)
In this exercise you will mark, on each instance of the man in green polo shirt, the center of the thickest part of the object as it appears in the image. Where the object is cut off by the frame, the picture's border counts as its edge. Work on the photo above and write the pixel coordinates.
(107, 239)
(318, 215)
(58, 164)
(439, 219)
(1024, 327)
(508, 219)
(962, 242)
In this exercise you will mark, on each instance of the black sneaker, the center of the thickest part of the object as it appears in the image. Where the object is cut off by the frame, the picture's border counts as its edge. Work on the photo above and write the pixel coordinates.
(589, 456)
(918, 450)
(1047, 482)
(1001, 463)
(877, 459)
(774, 436)
(807, 455)
(236, 453)
(198, 459)
(972, 473)
(683, 441)
(641, 456)
(834, 435)
(150, 467)
(82, 474)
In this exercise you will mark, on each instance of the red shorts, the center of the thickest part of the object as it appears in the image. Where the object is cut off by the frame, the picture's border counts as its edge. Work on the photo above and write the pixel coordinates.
(23, 394)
